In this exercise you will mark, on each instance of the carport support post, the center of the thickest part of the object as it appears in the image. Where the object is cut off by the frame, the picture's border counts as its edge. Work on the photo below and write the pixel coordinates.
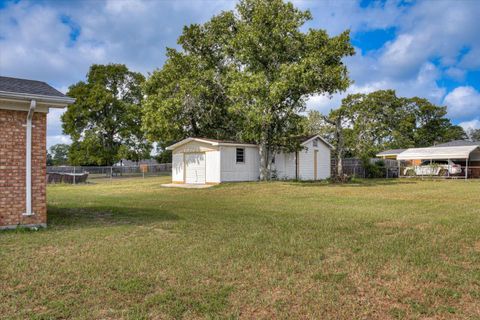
(466, 169)
(448, 168)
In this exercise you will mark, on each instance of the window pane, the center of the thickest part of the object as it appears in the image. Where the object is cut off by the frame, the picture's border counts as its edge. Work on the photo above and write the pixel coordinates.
(240, 155)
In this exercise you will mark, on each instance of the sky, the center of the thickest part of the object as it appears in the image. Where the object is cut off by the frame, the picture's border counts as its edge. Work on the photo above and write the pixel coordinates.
(428, 49)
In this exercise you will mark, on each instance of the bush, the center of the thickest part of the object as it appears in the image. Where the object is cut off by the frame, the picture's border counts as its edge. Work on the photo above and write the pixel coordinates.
(375, 169)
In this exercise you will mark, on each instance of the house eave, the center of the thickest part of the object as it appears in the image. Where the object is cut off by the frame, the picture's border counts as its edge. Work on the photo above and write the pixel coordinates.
(52, 101)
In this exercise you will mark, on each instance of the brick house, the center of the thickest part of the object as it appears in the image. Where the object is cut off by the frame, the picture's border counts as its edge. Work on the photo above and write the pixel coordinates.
(24, 105)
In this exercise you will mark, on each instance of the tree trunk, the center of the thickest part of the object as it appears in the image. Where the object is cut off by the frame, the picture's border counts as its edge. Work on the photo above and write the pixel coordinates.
(340, 147)
(263, 151)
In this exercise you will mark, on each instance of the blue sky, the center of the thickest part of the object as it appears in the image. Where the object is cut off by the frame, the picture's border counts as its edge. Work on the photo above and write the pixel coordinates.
(419, 48)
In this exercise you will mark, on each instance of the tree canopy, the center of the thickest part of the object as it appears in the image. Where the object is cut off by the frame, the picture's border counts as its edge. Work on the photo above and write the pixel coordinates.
(474, 134)
(105, 120)
(380, 120)
(245, 75)
(57, 155)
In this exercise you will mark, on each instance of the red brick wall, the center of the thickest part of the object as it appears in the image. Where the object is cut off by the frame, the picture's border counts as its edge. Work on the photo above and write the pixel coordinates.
(12, 168)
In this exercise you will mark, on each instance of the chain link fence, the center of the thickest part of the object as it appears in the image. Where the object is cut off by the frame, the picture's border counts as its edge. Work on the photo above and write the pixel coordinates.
(376, 168)
(439, 171)
(79, 174)
(388, 168)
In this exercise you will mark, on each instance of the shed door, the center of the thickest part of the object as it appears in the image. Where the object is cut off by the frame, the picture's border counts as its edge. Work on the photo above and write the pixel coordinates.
(195, 168)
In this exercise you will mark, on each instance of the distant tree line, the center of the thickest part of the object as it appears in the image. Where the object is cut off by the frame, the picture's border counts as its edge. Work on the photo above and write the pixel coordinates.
(380, 120)
(244, 75)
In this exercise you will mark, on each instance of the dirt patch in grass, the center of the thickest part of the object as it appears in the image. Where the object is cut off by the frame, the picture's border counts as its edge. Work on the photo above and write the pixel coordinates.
(476, 247)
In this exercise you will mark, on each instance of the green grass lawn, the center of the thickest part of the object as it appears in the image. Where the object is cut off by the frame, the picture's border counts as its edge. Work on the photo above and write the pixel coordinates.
(131, 249)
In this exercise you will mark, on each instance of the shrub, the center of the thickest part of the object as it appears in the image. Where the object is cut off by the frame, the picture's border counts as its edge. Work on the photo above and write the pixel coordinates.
(375, 169)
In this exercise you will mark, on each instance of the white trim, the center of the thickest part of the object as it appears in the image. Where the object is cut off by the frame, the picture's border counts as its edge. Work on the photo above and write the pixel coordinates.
(244, 155)
(59, 102)
(233, 144)
(319, 137)
(39, 108)
(28, 161)
(212, 143)
(386, 154)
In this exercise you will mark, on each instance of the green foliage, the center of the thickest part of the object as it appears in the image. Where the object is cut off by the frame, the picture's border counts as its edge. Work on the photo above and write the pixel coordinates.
(105, 121)
(245, 75)
(49, 158)
(375, 169)
(164, 156)
(380, 120)
(474, 134)
(314, 123)
(58, 154)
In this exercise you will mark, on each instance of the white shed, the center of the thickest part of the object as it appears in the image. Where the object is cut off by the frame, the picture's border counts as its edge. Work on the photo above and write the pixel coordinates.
(208, 161)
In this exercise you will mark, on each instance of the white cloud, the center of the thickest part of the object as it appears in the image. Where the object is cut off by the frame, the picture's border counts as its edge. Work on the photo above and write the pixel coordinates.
(463, 102)
(456, 73)
(55, 139)
(429, 31)
(430, 42)
(337, 16)
(469, 125)
(423, 85)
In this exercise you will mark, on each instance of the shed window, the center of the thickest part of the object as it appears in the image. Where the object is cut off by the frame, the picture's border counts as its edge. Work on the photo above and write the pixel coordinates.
(315, 143)
(240, 155)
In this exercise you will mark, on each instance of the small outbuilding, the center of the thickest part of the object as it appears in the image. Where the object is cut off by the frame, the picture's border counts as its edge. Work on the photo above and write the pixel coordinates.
(209, 161)
(465, 156)
(24, 105)
(390, 154)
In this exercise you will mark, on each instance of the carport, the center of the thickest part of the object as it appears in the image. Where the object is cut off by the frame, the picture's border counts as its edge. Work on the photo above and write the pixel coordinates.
(467, 156)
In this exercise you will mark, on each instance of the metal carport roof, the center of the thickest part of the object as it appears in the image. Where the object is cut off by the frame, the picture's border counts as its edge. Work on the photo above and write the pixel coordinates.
(437, 153)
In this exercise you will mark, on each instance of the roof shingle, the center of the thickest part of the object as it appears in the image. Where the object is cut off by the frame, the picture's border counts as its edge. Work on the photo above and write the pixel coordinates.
(15, 85)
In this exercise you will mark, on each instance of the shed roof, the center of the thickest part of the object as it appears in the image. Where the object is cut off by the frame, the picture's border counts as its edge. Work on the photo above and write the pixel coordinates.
(306, 139)
(437, 153)
(391, 152)
(214, 142)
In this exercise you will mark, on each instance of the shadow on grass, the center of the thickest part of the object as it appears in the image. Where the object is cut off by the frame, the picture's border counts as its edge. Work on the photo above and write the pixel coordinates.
(354, 183)
(105, 216)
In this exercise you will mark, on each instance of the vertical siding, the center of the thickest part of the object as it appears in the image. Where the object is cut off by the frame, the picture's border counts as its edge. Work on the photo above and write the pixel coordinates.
(213, 166)
(324, 161)
(233, 171)
(285, 165)
(306, 160)
(177, 167)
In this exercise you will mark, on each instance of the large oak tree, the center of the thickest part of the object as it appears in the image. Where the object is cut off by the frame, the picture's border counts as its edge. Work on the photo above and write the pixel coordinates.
(105, 120)
(245, 74)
